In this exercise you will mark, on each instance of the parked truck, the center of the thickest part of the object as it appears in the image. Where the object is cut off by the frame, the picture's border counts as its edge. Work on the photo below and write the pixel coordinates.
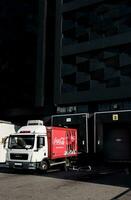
(36, 146)
(97, 141)
(6, 128)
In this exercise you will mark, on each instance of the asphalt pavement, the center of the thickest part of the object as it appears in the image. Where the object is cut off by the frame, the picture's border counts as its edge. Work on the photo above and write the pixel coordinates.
(55, 185)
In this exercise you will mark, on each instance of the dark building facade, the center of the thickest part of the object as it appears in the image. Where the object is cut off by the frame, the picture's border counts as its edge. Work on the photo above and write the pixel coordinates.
(18, 47)
(25, 37)
(93, 55)
(64, 56)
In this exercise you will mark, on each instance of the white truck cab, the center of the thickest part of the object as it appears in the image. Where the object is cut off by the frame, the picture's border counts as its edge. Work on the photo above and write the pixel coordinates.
(28, 147)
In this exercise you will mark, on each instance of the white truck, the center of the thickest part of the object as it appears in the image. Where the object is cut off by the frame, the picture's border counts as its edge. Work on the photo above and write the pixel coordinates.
(6, 128)
(36, 146)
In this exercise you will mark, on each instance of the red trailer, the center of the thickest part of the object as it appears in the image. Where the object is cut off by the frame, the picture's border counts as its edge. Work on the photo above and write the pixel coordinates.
(62, 142)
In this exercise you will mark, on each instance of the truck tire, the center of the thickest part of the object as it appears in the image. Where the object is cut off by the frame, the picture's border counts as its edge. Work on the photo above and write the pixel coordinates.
(44, 166)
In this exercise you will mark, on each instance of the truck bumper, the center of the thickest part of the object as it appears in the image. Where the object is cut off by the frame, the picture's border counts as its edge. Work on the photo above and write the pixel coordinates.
(22, 165)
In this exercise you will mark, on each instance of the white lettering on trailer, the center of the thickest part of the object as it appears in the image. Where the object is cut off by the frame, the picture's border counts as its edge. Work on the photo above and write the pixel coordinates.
(59, 141)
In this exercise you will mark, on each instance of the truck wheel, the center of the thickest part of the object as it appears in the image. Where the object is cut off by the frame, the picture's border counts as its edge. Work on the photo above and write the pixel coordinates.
(44, 166)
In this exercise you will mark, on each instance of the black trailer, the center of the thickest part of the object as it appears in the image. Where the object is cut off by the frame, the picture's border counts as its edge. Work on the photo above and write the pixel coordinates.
(112, 136)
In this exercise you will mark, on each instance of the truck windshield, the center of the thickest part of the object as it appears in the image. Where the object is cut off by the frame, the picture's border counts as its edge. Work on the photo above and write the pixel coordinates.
(21, 142)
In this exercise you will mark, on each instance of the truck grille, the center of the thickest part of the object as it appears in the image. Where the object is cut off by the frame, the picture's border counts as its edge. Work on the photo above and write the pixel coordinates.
(19, 156)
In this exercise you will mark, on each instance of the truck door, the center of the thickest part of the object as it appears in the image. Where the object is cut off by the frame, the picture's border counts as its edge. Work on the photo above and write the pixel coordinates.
(42, 147)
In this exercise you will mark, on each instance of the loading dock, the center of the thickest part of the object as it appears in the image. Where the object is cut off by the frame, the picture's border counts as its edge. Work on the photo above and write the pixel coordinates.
(112, 135)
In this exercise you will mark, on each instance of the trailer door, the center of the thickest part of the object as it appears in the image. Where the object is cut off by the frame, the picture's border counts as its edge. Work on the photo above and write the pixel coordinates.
(78, 121)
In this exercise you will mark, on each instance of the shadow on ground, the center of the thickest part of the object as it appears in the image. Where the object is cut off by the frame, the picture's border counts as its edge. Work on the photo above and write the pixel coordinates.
(118, 178)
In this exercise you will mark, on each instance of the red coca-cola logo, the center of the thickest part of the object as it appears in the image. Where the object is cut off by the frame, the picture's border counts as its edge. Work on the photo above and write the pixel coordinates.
(59, 141)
